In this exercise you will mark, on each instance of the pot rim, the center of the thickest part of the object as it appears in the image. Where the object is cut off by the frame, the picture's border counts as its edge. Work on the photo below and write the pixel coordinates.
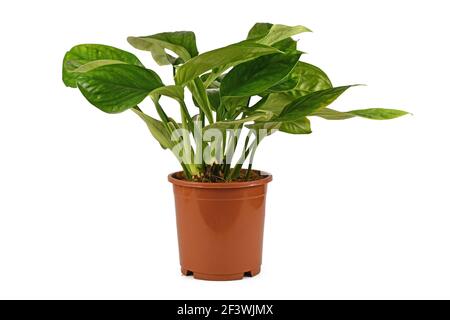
(220, 185)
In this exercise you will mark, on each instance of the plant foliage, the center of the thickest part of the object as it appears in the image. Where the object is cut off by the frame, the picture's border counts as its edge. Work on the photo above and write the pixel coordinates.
(257, 85)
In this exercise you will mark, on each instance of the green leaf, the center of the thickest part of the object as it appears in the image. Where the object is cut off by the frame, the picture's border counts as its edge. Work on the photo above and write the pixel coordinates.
(259, 30)
(378, 113)
(289, 82)
(310, 79)
(280, 32)
(95, 64)
(214, 98)
(267, 33)
(182, 43)
(372, 113)
(200, 97)
(83, 54)
(307, 104)
(171, 91)
(331, 114)
(298, 126)
(274, 103)
(222, 58)
(157, 129)
(118, 87)
(256, 76)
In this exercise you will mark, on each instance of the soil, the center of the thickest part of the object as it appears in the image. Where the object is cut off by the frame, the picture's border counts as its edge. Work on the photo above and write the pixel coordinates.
(216, 177)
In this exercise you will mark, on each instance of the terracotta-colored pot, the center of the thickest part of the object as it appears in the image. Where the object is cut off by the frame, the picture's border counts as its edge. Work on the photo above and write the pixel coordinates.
(220, 227)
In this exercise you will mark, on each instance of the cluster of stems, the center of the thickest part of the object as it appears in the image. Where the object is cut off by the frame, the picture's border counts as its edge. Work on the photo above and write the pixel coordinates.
(205, 152)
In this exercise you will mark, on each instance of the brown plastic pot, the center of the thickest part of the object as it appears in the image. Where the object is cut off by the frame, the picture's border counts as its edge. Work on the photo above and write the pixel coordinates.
(220, 227)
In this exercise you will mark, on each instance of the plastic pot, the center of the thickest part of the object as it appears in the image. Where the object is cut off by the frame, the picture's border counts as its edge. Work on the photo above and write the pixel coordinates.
(220, 227)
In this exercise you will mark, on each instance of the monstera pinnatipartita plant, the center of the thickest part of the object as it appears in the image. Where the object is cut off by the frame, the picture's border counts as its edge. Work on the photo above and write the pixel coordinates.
(257, 84)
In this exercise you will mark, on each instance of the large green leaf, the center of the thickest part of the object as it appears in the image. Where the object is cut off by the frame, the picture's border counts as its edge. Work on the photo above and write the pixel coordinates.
(222, 58)
(307, 104)
(256, 76)
(290, 82)
(157, 129)
(309, 79)
(89, 54)
(118, 87)
(182, 43)
(371, 113)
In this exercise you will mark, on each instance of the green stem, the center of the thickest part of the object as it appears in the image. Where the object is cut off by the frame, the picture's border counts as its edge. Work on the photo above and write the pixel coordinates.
(245, 152)
(250, 162)
(231, 150)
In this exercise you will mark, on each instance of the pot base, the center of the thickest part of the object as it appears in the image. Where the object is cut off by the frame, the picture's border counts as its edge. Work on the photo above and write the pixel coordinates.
(221, 277)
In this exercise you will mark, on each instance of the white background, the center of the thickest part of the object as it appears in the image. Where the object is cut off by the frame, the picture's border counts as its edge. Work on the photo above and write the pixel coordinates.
(358, 209)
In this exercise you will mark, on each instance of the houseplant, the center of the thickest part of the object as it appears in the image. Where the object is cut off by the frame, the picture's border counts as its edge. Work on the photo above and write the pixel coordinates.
(240, 93)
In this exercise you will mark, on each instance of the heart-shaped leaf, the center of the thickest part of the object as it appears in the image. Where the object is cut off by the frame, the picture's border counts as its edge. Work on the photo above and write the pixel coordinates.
(118, 87)
(85, 57)
(256, 76)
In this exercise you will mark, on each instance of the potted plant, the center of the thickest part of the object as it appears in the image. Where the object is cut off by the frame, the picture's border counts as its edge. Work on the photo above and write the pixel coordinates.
(240, 94)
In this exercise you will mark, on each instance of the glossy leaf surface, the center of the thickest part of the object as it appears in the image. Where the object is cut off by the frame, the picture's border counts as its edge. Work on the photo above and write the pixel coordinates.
(182, 43)
(83, 54)
(225, 57)
(118, 87)
(256, 76)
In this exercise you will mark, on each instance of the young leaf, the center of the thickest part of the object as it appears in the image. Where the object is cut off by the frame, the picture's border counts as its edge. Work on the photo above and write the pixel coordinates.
(182, 43)
(84, 54)
(331, 114)
(256, 76)
(222, 58)
(372, 113)
(378, 113)
(118, 87)
(259, 30)
(268, 33)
